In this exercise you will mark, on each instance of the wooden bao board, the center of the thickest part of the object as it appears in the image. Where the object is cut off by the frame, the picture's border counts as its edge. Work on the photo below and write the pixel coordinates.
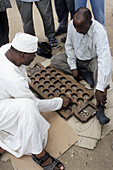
(49, 82)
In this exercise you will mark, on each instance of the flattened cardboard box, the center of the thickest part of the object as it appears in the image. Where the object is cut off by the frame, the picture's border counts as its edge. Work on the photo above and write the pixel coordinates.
(60, 138)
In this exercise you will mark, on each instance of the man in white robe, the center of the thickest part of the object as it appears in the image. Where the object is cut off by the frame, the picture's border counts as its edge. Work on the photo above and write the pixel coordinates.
(23, 130)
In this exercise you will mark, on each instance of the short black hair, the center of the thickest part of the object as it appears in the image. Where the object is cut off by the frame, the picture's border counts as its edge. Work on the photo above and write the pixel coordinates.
(85, 12)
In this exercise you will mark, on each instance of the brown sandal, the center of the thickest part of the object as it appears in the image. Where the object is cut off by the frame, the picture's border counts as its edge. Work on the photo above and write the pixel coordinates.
(54, 163)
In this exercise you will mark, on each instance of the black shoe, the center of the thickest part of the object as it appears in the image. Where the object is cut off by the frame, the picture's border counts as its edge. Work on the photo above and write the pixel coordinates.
(103, 119)
(44, 50)
(60, 30)
(63, 39)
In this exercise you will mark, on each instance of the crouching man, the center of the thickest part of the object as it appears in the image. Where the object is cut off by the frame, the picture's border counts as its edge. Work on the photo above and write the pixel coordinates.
(23, 130)
(87, 56)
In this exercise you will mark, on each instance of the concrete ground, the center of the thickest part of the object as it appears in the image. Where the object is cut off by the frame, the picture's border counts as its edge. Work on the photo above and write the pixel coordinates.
(76, 158)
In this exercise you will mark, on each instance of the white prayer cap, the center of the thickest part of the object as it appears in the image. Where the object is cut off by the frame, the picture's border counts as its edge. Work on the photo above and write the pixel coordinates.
(25, 42)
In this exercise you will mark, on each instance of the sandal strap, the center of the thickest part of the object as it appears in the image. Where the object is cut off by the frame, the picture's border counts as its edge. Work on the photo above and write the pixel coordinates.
(42, 159)
(55, 163)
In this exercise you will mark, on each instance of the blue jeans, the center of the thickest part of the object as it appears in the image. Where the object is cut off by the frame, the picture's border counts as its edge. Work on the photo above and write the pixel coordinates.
(97, 8)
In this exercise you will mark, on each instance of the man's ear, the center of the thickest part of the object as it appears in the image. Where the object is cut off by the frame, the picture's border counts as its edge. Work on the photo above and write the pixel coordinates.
(22, 55)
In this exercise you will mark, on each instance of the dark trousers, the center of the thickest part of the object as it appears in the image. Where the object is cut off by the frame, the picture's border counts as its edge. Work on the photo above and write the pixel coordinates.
(4, 28)
(63, 7)
(45, 9)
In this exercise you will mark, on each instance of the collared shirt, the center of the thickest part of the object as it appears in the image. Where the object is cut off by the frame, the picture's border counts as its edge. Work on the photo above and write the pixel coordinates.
(14, 83)
(85, 47)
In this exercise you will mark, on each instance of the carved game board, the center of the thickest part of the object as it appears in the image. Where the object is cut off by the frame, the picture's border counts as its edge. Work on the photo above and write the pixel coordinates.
(49, 82)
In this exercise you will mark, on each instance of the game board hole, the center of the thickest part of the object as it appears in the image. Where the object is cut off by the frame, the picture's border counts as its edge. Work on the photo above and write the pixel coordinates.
(41, 87)
(36, 83)
(68, 91)
(51, 95)
(46, 83)
(56, 91)
(58, 75)
(48, 68)
(74, 96)
(74, 105)
(57, 83)
(43, 72)
(42, 79)
(52, 71)
(37, 66)
(80, 101)
(62, 95)
(45, 91)
(48, 75)
(68, 111)
(32, 79)
(52, 79)
(62, 87)
(86, 96)
(74, 87)
(37, 75)
(51, 87)
(79, 91)
(63, 79)
(68, 83)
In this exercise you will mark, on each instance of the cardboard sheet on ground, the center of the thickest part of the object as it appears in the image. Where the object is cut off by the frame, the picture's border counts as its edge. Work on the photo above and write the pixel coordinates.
(90, 129)
(88, 143)
(60, 138)
(108, 127)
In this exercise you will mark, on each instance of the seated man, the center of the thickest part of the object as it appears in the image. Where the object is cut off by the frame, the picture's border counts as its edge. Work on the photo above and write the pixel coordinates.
(87, 56)
(23, 130)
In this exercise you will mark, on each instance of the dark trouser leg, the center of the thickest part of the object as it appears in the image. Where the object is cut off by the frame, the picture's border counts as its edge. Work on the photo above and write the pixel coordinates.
(85, 71)
(25, 9)
(4, 28)
(62, 12)
(103, 119)
(71, 7)
(101, 116)
(45, 9)
(87, 76)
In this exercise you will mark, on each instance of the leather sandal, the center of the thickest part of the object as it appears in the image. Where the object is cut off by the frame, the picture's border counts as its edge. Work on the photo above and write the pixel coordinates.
(53, 42)
(51, 166)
